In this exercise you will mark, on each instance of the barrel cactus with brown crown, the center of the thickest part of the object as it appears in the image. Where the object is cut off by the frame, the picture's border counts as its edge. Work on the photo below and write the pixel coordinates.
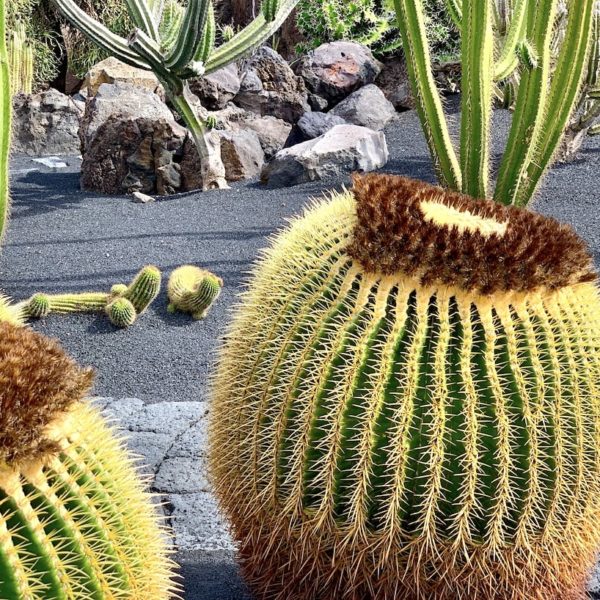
(407, 404)
(75, 521)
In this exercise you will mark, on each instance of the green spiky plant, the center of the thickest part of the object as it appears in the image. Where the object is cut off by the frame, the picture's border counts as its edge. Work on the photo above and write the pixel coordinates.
(182, 50)
(20, 59)
(122, 304)
(5, 122)
(407, 402)
(550, 81)
(75, 519)
(193, 290)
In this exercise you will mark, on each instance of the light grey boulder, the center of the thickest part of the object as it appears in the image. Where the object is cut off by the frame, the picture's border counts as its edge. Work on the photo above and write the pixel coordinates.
(270, 87)
(217, 89)
(367, 107)
(334, 70)
(271, 131)
(45, 124)
(120, 99)
(342, 150)
(242, 154)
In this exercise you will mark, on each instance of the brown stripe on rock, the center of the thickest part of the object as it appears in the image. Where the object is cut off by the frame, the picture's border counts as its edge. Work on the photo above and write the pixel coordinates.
(444, 237)
(38, 383)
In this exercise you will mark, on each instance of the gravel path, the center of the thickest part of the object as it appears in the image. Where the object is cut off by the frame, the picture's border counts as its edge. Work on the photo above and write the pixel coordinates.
(62, 239)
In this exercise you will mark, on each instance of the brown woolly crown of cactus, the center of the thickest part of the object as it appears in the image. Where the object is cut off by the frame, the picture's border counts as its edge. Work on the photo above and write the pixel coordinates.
(38, 382)
(407, 404)
(444, 237)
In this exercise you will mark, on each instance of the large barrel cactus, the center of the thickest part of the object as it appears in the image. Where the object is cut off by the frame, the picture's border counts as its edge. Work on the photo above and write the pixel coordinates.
(407, 404)
(75, 523)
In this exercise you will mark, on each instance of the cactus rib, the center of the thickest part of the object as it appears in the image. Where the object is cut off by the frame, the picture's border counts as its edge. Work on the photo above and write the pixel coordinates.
(142, 16)
(190, 34)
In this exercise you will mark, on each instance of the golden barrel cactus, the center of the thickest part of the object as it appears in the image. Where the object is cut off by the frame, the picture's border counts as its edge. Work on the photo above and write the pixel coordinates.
(75, 522)
(407, 404)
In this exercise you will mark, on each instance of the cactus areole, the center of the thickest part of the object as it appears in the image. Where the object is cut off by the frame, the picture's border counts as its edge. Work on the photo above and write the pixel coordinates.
(407, 404)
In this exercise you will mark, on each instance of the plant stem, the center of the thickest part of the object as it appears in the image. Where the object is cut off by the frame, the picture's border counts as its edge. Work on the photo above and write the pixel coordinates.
(207, 143)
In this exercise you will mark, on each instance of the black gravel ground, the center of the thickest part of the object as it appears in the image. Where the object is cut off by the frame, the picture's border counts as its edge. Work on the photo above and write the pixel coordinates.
(61, 239)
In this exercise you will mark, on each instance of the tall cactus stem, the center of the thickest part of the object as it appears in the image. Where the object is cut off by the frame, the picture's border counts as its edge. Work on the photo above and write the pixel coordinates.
(142, 16)
(41, 305)
(207, 142)
(530, 116)
(208, 39)
(477, 95)
(508, 61)
(190, 34)
(411, 20)
(562, 98)
(5, 123)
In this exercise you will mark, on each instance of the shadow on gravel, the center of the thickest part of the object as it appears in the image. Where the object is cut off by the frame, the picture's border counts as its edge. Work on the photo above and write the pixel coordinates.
(209, 577)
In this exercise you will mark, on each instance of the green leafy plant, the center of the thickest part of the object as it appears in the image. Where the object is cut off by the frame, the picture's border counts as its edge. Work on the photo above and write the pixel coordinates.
(76, 520)
(182, 50)
(371, 23)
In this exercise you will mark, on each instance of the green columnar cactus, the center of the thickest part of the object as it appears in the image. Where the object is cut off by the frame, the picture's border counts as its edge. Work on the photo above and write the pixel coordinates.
(179, 47)
(5, 123)
(407, 403)
(20, 58)
(193, 290)
(75, 521)
(117, 304)
(144, 289)
(550, 82)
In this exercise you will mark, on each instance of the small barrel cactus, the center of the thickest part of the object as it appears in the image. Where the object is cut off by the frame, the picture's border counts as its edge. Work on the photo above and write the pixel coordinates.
(407, 405)
(193, 290)
(75, 522)
(121, 312)
(144, 289)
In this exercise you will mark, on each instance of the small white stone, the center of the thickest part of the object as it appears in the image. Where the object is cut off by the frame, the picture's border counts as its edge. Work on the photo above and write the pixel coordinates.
(140, 198)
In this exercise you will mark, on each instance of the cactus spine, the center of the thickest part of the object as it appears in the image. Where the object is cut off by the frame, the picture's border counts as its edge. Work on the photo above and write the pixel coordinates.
(181, 48)
(75, 521)
(193, 290)
(407, 403)
(547, 96)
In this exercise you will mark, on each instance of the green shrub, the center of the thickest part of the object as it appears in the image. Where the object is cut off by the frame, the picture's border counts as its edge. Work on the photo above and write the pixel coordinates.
(372, 23)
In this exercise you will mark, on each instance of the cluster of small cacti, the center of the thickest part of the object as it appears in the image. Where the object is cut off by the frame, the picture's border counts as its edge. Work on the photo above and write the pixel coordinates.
(193, 290)
(75, 521)
(407, 404)
(122, 304)
(20, 59)
(178, 45)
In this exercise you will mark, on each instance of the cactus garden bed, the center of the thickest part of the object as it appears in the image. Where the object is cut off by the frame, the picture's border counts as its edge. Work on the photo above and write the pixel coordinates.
(64, 239)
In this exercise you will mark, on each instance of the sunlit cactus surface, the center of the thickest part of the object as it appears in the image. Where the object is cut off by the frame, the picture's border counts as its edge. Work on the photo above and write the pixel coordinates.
(407, 404)
(75, 521)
